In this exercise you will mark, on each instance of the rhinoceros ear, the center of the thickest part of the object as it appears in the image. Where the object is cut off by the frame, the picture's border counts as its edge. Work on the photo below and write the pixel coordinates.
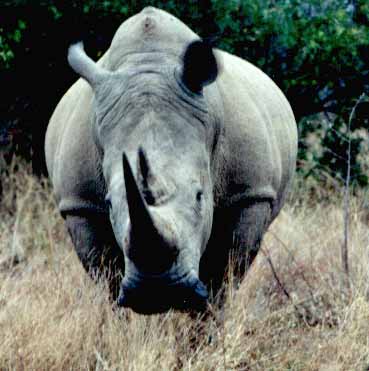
(84, 65)
(200, 66)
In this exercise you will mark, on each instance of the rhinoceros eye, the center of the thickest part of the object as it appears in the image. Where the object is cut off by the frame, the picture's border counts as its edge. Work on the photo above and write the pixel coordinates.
(199, 196)
(108, 201)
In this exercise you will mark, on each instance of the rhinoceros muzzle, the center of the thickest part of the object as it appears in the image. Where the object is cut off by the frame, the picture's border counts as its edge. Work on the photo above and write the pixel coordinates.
(153, 282)
(154, 295)
(149, 249)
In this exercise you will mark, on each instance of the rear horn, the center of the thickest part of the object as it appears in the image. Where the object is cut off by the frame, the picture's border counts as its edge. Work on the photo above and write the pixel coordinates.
(138, 211)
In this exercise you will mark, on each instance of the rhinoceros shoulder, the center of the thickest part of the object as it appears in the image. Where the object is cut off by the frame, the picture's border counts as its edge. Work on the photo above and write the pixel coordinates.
(260, 136)
(71, 155)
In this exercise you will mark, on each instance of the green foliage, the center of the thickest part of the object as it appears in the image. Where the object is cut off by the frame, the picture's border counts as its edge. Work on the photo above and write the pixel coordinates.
(316, 51)
(7, 39)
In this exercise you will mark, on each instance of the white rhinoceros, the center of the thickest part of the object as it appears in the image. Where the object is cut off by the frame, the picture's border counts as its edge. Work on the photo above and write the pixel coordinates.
(167, 158)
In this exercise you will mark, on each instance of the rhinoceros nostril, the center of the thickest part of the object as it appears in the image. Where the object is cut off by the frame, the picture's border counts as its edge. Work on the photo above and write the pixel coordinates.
(122, 300)
(200, 291)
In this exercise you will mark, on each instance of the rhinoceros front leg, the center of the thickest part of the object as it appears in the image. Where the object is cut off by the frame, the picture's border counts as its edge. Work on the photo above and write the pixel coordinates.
(97, 249)
(234, 243)
(248, 231)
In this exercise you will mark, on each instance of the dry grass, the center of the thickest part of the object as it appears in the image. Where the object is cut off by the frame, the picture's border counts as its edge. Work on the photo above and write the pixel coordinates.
(301, 317)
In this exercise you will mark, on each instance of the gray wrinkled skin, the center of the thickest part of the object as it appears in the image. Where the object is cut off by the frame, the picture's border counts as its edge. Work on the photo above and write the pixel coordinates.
(205, 172)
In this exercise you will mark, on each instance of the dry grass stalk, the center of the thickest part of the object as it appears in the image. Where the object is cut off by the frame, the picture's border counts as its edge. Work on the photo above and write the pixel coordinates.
(346, 207)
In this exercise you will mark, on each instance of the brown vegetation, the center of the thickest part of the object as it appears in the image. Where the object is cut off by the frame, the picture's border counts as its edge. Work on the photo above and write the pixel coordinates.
(294, 310)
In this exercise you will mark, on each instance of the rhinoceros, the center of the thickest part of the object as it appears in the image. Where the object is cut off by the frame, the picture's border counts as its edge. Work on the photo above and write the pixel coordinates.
(169, 159)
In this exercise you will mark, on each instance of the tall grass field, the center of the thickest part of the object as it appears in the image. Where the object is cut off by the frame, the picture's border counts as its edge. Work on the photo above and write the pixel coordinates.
(297, 309)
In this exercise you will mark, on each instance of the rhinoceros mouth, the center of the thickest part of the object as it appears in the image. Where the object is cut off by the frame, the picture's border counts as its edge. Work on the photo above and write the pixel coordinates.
(156, 295)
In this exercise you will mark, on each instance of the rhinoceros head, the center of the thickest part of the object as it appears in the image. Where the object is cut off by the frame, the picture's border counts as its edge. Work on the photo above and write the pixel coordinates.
(155, 134)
